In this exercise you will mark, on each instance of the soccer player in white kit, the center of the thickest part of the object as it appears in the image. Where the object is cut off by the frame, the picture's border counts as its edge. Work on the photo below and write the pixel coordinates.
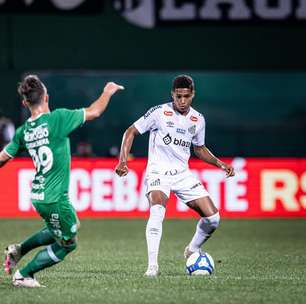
(174, 127)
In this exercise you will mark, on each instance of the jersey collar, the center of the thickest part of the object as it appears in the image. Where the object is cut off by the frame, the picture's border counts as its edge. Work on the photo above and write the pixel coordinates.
(38, 116)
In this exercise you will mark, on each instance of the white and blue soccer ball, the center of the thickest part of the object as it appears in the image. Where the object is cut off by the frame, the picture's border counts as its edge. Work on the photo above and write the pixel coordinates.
(200, 264)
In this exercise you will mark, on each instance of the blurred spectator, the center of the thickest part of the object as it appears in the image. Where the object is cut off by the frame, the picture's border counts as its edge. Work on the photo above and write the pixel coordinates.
(113, 151)
(84, 149)
(7, 130)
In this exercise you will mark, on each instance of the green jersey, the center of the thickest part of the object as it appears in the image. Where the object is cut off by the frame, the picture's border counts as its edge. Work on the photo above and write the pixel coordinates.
(46, 140)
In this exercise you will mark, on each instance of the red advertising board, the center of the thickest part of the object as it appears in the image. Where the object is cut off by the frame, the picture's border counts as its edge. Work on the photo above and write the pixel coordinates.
(262, 187)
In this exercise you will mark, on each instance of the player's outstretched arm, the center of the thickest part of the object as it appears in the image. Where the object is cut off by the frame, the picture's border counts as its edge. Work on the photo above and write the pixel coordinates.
(98, 107)
(127, 142)
(4, 158)
(204, 154)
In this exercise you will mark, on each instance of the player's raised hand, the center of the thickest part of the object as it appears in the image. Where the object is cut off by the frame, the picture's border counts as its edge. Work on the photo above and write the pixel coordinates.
(122, 169)
(228, 169)
(112, 87)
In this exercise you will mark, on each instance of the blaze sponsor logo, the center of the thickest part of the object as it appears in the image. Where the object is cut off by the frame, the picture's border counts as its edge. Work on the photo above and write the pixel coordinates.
(167, 139)
(168, 113)
(177, 142)
(182, 143)
(193, 118)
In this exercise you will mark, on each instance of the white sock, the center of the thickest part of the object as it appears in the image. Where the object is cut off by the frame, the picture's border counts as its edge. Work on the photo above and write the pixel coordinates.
(154, 232)
(205, 228)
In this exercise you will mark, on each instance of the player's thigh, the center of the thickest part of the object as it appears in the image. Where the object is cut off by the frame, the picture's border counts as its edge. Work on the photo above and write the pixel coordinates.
(189, 189)
(158, 189)
(60, 219)
(204, 206)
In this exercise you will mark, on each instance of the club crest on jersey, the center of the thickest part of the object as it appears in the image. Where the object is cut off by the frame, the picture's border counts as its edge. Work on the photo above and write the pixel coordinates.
(170, 124)
(193, 118)
(168, 113)
(192, 130)
(181, 131)
(167, 139)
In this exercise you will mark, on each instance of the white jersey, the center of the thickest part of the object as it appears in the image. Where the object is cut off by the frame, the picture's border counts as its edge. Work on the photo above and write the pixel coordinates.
(171, 136)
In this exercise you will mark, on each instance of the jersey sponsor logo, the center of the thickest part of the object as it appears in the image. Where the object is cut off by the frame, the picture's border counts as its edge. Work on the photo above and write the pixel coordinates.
(170, 124)
(38, 186)
(38, 143)
(177, 142)
(192, 130)
(37, 133)
(181, 131)
(151, 111)
(171, 172)
(37, 196)
(193, 118)
(168, 113)
(167, 139)
(195, 186)
(182, 143)
(155, 183)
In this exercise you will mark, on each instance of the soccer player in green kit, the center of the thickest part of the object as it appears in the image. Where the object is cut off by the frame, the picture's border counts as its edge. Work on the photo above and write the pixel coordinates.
(45, 136)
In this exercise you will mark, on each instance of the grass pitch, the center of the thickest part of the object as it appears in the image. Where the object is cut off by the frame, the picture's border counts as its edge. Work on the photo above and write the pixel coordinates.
(262, 261)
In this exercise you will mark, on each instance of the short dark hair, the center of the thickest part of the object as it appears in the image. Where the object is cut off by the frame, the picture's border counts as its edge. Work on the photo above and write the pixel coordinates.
(32, 89)
(182, 82)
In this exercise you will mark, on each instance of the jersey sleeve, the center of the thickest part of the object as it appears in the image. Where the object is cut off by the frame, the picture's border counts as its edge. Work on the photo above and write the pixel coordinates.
(148, 121)
(199, 138)
(69, 120)
(15, 145)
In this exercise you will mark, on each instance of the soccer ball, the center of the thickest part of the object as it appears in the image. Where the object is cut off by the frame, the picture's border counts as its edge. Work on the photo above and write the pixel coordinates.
(200, 264)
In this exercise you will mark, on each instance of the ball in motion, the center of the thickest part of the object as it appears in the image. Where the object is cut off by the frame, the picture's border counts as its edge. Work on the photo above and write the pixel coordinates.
(200, 264)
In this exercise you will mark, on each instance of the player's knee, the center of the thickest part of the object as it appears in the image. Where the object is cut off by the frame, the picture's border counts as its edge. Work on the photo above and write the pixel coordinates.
(70, 245)
(213, 221)
(157, 212)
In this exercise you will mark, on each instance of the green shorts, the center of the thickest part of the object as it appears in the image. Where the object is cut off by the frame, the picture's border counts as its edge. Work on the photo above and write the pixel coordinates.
(60, 218)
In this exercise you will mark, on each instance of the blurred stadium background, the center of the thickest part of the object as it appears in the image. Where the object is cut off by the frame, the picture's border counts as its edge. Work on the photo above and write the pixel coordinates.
(249, 66)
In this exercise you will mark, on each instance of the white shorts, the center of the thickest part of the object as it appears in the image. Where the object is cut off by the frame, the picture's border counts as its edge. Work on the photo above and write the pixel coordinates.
(184, 185)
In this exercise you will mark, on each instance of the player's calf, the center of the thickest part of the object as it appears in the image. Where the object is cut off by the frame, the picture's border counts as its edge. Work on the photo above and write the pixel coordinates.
(153, 236)
(205, 228)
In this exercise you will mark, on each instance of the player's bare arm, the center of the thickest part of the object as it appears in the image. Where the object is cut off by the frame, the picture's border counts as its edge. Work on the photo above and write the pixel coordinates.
(4, 158)
(204, 154)
(98, 107)
(127, 142)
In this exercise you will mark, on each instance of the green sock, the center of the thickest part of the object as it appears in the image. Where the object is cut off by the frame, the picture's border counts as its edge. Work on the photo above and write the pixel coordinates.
(40, 238)
(47, 257)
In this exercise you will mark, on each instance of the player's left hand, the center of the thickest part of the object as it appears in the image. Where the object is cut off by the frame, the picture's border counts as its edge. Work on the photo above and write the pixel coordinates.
(122, 169)
(230, 171)
(111, 88)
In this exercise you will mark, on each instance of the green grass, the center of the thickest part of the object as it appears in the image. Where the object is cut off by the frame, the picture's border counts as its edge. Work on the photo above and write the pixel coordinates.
(261, 262)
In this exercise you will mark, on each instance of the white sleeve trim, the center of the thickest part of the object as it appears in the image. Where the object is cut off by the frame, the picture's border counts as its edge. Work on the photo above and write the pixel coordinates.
(84, 115)
(8, 154)
(138, 128)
